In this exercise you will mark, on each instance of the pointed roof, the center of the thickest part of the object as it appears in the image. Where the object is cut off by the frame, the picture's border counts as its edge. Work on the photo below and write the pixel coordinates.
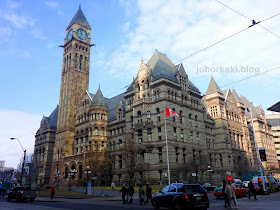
(213, 87)
(98, 98)
(248, 104)
(49, 122)
(79, 18)
(236, 97)
(162, 67)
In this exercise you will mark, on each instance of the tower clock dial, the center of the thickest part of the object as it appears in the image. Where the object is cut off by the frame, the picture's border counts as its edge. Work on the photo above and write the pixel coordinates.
(69, 35)
(82, 34)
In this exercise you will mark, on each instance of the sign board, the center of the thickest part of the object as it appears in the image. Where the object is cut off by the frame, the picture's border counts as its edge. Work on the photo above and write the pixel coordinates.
(228, 172)
(193, 174)
(262, 154)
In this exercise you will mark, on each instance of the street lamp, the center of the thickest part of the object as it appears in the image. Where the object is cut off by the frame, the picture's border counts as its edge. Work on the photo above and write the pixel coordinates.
(41, 176)
(24, 152)
(72, 173)
(210, 171)
(87, 171)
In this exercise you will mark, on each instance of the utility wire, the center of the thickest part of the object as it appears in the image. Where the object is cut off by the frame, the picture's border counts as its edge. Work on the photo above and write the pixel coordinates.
(251, 19)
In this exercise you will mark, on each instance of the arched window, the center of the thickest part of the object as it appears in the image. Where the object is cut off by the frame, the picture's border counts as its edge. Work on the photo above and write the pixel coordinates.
(149, 116)
(96, 131)
(140, 136)
(120, 143)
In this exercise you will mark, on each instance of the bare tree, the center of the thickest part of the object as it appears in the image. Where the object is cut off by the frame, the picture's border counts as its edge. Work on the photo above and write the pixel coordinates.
(130, 158)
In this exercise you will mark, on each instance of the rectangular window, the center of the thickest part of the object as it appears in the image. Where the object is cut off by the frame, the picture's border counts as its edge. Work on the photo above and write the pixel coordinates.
(182, 135)
(174, 133)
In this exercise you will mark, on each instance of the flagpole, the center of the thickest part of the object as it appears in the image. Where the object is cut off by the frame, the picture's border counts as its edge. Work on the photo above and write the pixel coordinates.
(166, 150)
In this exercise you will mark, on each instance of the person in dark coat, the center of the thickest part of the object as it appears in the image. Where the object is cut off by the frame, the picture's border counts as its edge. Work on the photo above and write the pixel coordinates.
(130, 191)
(124, 192)
(224, 194)
(141, 193)
(252, 190)
(148, 193)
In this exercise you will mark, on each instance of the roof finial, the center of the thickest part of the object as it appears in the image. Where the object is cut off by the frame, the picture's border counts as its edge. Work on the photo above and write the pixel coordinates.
(99, 86)
(80, 5)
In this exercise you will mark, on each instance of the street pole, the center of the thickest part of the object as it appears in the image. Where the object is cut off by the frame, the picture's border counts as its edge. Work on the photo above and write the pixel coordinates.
(22, 169)
(257, 150)
(167, 151)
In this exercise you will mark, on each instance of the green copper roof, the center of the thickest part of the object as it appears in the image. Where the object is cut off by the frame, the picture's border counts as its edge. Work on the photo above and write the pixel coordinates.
(79, 18)
(98, 99)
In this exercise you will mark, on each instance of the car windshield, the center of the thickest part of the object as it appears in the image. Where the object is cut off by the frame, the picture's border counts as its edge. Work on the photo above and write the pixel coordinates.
(193, 189)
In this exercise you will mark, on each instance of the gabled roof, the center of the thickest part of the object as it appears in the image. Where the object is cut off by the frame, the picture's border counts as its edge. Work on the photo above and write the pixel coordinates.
(236, 97)
(98, 99)
(79, 18)
(213, 87)
(161, 67)
(248, 104)
(112, 105)
(49, 122)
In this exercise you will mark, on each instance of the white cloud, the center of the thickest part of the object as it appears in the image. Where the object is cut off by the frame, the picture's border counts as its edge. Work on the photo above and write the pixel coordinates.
(21, 125)
(13, 4)
(18, 21)
(52, 4)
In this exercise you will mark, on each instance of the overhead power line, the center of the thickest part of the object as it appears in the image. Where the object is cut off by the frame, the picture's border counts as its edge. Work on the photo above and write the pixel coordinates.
(251, 19)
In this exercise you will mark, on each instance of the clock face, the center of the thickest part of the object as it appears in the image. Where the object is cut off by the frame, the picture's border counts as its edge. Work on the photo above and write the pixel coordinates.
(82, 34)
(69, 35)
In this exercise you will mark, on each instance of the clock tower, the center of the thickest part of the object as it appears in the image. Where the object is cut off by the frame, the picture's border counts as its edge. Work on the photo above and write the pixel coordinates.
(74, 84)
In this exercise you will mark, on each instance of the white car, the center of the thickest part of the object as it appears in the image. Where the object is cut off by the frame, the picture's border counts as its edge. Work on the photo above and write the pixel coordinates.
(246, 183)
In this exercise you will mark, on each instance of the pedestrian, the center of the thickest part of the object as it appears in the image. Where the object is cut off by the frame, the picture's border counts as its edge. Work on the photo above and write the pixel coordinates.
(148, 193)
(252, 190)
(230, 191)
(260, 185)
(141, 193)
(123, 191)
(224, 194)
(52, 191)
(130, 193)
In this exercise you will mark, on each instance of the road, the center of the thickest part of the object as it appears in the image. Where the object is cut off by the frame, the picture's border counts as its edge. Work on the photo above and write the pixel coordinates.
(271, 202)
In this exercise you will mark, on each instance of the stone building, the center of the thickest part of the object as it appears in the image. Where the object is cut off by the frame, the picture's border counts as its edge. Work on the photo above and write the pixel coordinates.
(123, 138)
(43, 148)
(274, 119)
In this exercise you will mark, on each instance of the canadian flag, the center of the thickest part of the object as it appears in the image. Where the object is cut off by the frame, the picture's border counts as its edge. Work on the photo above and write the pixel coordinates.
(170, 112)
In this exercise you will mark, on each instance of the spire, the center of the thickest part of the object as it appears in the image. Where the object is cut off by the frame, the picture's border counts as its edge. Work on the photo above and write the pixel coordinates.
(236, 97)
(79, 18)
(98, 99)
(213, 87)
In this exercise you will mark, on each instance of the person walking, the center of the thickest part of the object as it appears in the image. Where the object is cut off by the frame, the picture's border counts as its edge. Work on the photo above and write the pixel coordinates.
(260, 185)
(130, 193)
(252, 190)
(124, 192)
(230, 191)
(141, 193)
(225, 195)
(148, 193)
(52, 191)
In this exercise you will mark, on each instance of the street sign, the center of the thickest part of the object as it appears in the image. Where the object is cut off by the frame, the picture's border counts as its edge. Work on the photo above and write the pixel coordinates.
(193, 174)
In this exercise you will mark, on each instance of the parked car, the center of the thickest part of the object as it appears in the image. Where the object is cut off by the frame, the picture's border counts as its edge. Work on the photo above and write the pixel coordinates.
(22, 193)
(208, 187)
(180, 196)
(240, 191)
(278, 181)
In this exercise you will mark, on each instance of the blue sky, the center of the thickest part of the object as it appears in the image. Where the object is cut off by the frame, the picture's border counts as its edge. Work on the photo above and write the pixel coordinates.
(125, 32)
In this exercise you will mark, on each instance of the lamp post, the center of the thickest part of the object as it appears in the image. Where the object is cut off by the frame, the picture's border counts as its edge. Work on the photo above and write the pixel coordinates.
(72, 173)
(24, 152)
(87, 171)
(41, 176)
(210, 171)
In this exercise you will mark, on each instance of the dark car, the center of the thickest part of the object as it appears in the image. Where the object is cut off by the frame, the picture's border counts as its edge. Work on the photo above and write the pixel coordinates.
(181, 196)
(22, 193)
